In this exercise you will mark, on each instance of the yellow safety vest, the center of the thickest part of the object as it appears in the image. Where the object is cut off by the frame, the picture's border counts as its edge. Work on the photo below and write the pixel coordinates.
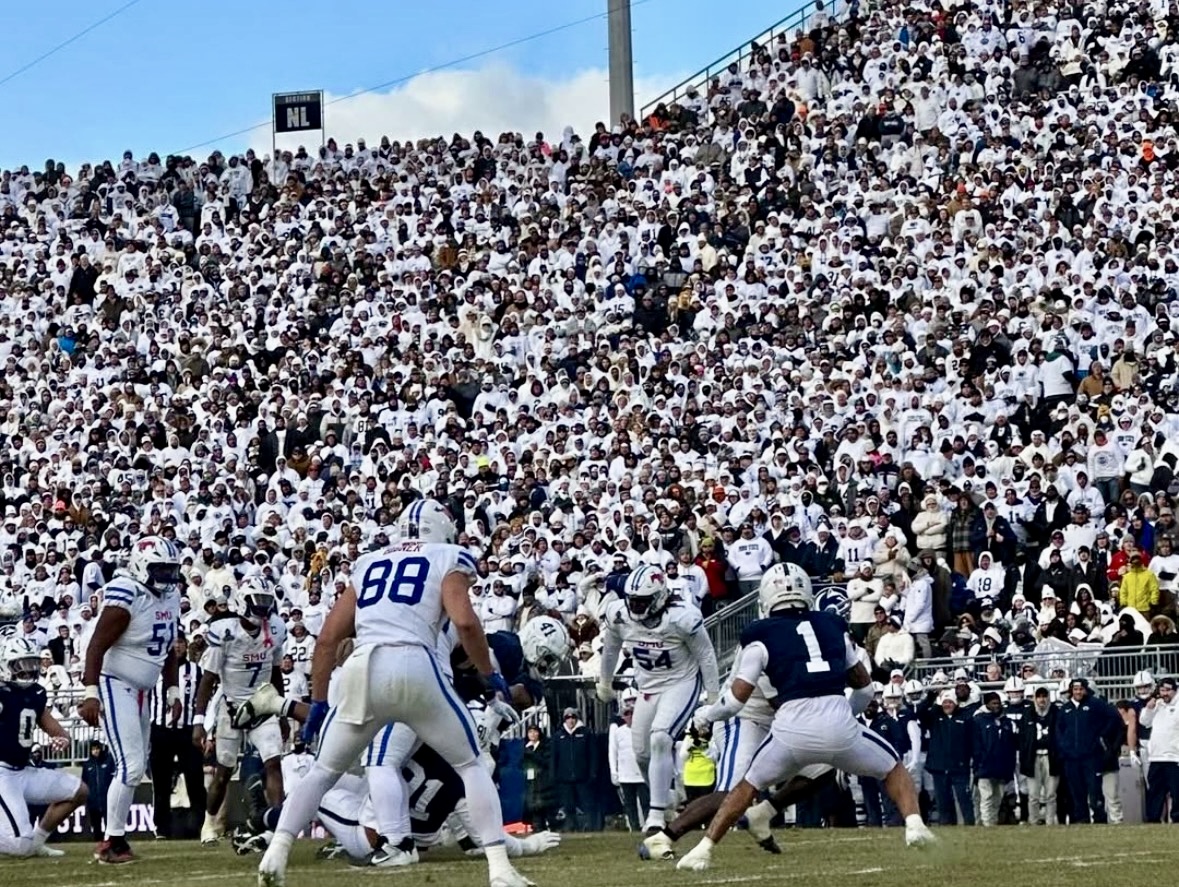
(699, 769)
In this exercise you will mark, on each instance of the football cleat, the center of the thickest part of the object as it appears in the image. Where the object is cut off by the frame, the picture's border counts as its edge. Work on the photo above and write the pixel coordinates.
(99, 848)
(48, 852)
(538, 843)
(332, 850)
(656, 845)
(919, 835)
(758, 819)
(272, 869)
(770, 845)
(394, 857)
(264, 703)
(116, 854)
(698, 859)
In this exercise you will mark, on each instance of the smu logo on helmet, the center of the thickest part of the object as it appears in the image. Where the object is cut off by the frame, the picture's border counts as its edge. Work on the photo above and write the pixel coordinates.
(146, 544)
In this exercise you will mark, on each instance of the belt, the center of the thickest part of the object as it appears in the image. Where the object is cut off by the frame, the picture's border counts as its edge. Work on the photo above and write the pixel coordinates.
(1042, 751)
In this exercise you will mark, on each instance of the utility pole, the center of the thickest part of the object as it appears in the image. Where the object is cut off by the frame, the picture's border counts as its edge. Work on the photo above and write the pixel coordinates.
(622, 75)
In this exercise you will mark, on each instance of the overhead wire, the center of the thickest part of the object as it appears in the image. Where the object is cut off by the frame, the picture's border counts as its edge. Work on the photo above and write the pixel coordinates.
(396, 81)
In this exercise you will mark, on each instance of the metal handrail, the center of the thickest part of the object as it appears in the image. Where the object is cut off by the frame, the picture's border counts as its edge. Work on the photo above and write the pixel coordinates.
(794, 20)
(1087, 660)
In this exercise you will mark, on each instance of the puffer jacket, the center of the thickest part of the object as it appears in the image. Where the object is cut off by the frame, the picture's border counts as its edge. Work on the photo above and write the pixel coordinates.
(1139, 589)
(930, 529)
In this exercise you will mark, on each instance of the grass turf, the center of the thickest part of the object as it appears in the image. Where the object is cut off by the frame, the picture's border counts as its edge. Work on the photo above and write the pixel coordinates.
(964, 857)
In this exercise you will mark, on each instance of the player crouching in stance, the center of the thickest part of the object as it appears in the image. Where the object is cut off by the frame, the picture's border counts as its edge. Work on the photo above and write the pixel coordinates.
(674, 661)
(395, 607)
(808, 660)
(22, 709)
(433, 787)
(243, 653)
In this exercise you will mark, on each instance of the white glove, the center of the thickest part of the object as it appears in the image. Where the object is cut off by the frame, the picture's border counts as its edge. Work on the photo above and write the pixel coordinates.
(709, 697)
(504, 710)
(702, 719)
(1135, 759)
(605, 692)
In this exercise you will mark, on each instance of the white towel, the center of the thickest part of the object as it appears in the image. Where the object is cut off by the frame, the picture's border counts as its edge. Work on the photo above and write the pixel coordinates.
(353, 707)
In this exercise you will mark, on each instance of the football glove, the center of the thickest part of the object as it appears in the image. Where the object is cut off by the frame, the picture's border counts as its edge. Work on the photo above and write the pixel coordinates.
(605, 692)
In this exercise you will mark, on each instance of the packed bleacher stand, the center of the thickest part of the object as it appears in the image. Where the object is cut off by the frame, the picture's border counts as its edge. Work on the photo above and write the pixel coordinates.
(891, 298)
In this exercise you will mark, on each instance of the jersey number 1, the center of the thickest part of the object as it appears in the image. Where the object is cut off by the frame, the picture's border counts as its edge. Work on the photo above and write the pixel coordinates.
(816, 662)
(404, 585)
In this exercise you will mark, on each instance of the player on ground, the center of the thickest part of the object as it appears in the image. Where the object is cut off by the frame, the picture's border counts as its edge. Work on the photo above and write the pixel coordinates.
(243, 653)
(809, 660)
(740, 738)
(674, 662)
(130, 648)
(23, 709)
(395, 609)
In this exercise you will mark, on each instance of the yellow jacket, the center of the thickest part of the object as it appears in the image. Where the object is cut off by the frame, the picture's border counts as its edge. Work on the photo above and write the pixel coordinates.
(1139, 589)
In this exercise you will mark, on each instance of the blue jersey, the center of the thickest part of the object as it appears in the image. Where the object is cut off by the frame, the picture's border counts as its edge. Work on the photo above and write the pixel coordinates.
(434, 790)
(507, 656)
(807, 653)
(20, 713)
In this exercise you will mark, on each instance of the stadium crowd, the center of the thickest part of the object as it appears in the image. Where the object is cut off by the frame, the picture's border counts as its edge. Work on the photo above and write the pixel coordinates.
(891, 299)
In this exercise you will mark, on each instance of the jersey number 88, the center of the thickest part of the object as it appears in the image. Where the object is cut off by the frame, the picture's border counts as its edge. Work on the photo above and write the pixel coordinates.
(403, 585)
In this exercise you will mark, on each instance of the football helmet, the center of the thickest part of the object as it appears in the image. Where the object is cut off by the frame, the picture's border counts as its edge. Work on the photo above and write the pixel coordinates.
(546, 644)
(834, 600)
(254, 599)
(428, 521)
(914, 692)
(894, 697)
(1144, 685)
(646, 594)
(155, 564)
(785, 586)
(1014, 688)
(22, 661)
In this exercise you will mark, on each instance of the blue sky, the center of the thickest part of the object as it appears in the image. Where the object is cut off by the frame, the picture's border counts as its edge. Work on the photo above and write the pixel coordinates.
(164, 76)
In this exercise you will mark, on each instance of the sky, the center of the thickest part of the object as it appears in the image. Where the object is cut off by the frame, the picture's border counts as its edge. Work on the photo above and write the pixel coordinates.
(155, 75)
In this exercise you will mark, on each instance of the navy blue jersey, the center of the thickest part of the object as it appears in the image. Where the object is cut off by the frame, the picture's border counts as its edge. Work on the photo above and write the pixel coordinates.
(20, 713)
(434, 791)
(807, 653)
(508, 656)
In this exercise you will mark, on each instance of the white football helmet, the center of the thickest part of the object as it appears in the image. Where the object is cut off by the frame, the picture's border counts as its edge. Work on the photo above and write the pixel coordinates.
(546, 644)
(1144, 685)
(646, 593)
(785, 586)
(914, 692)
(155, 564)
(254, 599)
(22, 661)
(894, 696)
(1014, 688)
(428, 521)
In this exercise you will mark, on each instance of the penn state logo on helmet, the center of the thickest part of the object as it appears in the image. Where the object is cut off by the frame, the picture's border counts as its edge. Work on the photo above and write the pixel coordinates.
(834, 600)
(545, 643)
(784, 586)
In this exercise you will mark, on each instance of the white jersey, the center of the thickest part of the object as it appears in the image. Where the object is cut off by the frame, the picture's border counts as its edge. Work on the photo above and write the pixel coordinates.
(399, 592)
(241, 660)
(757, 709)
(301, 650)
(294, 685)
(664, 655)
(137, 656)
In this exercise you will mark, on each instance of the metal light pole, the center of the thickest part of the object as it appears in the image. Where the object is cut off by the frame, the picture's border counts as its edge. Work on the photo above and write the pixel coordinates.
(622, 76)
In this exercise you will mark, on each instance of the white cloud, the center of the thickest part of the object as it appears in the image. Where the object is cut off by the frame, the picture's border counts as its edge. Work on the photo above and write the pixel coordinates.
(493, 99)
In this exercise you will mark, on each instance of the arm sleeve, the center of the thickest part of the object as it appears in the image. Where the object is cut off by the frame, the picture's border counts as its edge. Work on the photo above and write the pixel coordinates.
(1146, 716)
(611, 647)
(613, 752)
(701, 647)
(751, 663)
(860, 698)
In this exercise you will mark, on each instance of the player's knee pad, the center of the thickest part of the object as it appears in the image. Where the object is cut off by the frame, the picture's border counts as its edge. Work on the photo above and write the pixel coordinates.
(661, 743)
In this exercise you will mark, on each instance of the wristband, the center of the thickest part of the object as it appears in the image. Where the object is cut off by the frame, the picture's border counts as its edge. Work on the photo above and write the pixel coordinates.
(172, 695)
(198, 720)
(90, 692)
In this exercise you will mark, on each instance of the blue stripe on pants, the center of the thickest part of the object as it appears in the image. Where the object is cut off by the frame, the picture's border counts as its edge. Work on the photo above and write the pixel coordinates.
(384, 745)
(112, 730)
(882, 742)
(680, 724)
(460, 712)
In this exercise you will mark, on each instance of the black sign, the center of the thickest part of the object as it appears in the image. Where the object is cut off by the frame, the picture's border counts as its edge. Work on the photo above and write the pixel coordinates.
(298, 111)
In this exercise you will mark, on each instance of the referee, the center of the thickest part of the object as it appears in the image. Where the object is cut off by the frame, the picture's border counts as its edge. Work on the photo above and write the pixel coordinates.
(172, 750)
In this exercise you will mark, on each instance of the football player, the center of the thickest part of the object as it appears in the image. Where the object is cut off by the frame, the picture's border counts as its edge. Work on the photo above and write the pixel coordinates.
(242, 653)
(674, 662)
(22, 710)
(394, 606)
(129, 650)
(808, 659)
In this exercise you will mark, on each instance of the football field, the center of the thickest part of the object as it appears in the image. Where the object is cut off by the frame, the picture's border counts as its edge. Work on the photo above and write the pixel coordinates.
(1005, 856)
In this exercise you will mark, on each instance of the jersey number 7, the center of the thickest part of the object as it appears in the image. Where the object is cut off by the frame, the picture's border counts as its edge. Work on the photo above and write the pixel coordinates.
(404, 585)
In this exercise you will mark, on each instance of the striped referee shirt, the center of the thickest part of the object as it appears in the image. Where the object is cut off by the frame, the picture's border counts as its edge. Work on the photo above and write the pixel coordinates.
(190, 679)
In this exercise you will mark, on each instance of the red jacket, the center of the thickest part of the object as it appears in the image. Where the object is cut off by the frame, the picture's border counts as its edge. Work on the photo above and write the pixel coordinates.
(715, 569)
(1119, 560)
